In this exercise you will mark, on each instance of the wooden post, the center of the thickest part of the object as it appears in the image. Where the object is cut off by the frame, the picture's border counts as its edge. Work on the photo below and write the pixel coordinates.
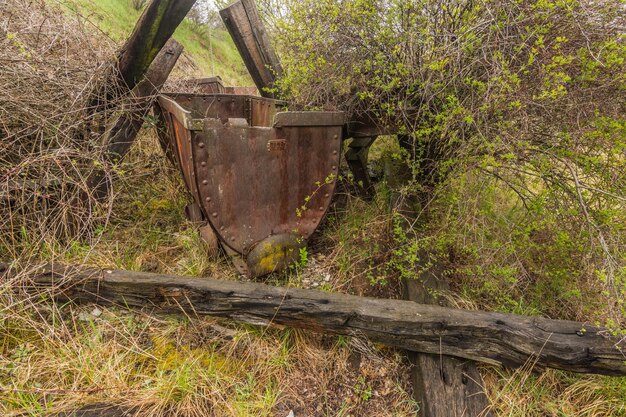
(494, 338)
(443, 385)
(124, 131)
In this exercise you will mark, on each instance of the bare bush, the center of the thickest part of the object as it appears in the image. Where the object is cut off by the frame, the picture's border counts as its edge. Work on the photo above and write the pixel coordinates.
(48, 147)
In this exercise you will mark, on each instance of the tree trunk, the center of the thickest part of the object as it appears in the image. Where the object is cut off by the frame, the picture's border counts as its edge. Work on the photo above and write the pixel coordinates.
(493, 338)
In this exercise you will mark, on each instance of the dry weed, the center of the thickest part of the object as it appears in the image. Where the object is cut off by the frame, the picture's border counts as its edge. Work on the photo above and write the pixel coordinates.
(48, 66)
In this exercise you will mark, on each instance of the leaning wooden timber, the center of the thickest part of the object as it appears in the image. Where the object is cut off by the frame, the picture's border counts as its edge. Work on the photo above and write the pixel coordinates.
(248, 32)
(261, 178)
(157, 24)
(494, 338)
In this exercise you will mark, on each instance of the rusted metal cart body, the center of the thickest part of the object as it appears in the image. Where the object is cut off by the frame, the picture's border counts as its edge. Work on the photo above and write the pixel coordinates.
(261, 178)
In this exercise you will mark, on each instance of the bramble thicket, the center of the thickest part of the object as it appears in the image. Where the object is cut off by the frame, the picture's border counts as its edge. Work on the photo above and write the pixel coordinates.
(516, 113)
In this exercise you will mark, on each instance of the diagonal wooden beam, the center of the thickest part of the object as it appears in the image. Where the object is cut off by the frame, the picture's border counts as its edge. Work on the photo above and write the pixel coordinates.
(248, 32)
(123, 132)
(156, 25)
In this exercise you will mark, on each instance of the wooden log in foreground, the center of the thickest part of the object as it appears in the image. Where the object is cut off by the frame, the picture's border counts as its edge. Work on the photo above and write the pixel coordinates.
(494, 338)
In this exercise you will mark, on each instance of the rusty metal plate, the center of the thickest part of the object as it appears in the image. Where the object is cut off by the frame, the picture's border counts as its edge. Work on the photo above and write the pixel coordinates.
(177, 126)
(256, 182)
(257, 111)
(184, 152)
(263, 189)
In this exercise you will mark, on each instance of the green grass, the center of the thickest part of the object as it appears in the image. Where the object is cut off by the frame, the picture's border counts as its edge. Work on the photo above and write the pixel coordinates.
(212, 51)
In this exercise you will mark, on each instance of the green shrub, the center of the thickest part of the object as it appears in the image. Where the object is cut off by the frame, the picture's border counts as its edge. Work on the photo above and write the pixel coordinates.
(516, 113)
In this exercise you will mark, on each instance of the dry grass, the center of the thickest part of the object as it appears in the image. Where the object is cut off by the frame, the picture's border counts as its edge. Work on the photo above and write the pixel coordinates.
(193, 367)
(56, 358)
(554, 393)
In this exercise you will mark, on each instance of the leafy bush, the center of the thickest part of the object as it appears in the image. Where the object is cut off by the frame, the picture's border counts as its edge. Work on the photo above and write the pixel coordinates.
(523, 102)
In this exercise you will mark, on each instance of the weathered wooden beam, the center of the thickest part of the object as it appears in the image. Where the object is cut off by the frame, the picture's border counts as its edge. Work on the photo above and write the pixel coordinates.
(125, 129)
(356, 156)
(494, 338)
(156, 25)
(248, 32)
(154, 28)
(122, 134)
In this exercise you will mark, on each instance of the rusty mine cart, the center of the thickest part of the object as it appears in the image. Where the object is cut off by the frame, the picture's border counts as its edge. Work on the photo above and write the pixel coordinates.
(262, 177)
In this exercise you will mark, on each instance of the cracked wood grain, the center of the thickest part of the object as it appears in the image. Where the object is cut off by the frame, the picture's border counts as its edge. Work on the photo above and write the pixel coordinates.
(494, 338)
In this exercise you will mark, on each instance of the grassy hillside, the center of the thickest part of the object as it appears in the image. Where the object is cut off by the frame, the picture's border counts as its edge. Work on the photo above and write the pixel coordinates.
(211, 52)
